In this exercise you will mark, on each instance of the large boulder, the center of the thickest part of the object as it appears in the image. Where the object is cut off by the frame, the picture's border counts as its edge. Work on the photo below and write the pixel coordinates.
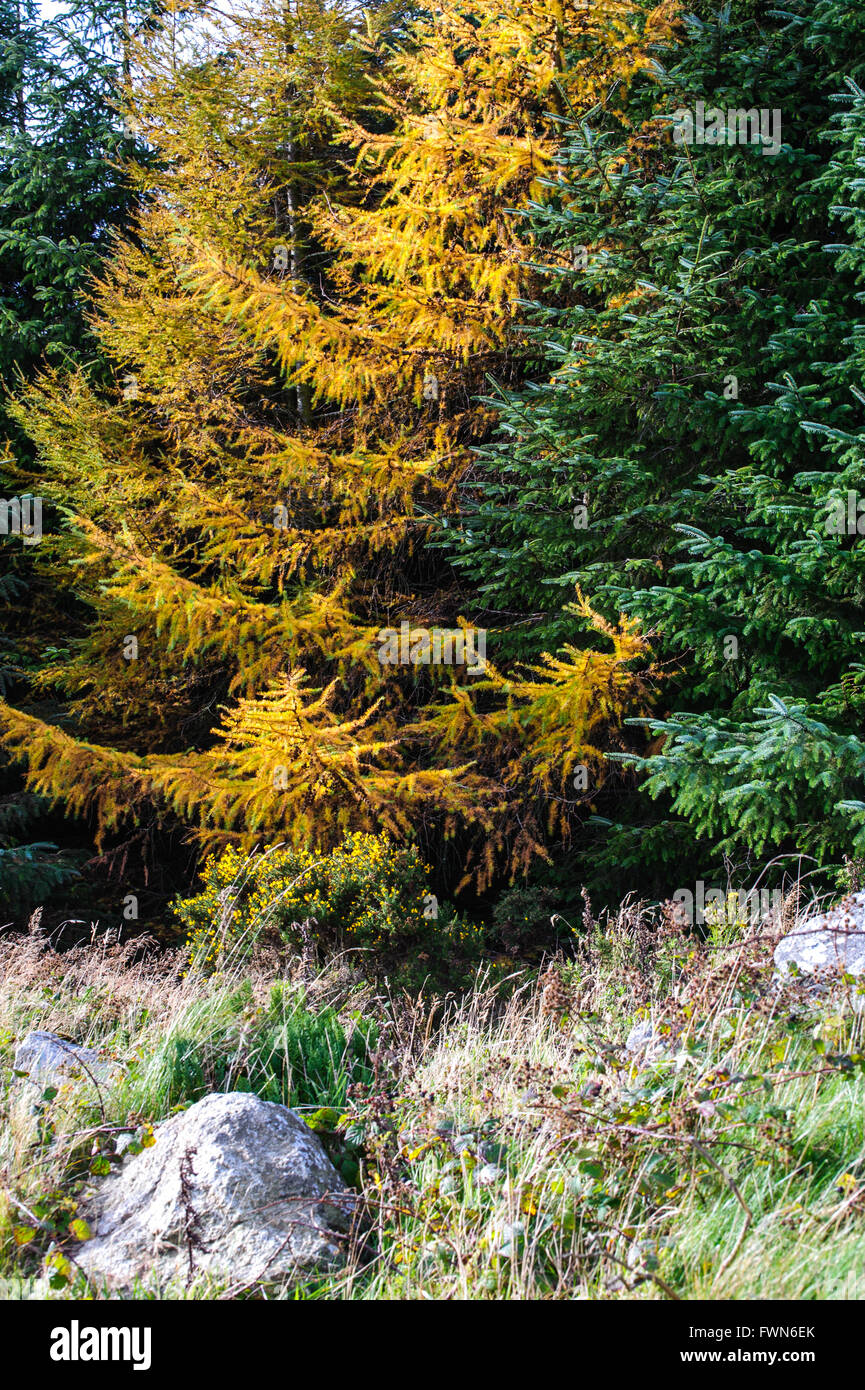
(832, 943)
(235, 1188)
(46, 1057)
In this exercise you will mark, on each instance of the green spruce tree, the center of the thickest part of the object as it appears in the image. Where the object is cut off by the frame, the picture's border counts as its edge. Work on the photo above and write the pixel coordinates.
(676, 454)
(62, 196)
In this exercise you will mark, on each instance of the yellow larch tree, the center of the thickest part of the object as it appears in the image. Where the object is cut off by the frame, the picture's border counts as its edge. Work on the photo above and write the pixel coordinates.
(323, 271)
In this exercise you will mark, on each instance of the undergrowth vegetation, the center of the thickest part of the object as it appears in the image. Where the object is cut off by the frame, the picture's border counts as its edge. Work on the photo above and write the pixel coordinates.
(369, 894)
(651, 1117)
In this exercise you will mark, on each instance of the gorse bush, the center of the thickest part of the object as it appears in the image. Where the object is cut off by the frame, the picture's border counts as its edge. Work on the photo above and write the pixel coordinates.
(525, 923)
(369, 895)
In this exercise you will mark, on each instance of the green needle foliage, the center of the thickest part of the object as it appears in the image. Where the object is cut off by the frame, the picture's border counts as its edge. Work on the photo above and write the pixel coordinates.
(62, 195)
(62, 191)
(692, 436)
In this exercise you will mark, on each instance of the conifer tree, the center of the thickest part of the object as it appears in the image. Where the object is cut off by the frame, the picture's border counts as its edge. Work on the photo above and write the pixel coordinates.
(320, 275)
(61, 142)
(677, 458)
(62, 193)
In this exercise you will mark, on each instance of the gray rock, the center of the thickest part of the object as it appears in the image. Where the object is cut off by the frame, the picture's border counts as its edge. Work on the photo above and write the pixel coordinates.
(645, 1041)
(235, 1188)
(490, 1173)
(833, 942)
(46, 1057)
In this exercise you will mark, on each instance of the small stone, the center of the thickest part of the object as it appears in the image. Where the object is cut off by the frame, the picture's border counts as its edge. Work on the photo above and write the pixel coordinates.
(833, 942)
(644, 1040)
(489, 1174)
(46, 1057)
(644, 1254)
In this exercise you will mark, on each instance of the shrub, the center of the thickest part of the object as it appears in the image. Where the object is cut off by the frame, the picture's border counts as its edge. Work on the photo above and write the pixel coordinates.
(525, 921)
(369, 894)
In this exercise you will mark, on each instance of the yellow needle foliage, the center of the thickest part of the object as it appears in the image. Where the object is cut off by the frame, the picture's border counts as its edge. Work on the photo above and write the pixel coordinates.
(428, 264)
(529, 731)
(323, 269)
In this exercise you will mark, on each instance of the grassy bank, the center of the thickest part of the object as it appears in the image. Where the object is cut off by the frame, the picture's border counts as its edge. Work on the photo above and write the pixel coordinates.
(506, 1143)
